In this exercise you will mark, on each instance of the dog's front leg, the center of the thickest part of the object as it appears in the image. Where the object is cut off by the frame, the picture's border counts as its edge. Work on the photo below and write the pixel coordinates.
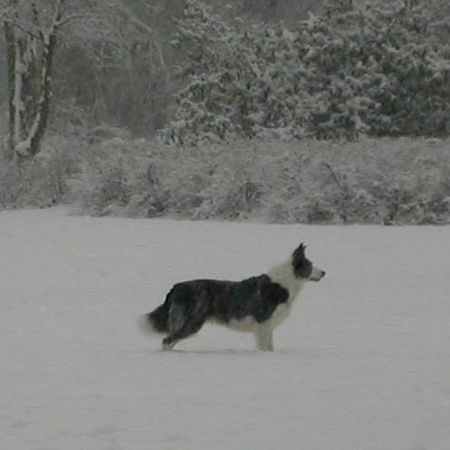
(264, 340)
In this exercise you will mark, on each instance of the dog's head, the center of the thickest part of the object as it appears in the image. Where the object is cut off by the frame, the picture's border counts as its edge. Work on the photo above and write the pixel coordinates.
(303, 267)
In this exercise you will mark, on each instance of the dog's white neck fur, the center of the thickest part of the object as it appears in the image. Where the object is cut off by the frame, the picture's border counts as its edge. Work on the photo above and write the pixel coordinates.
(283, 274)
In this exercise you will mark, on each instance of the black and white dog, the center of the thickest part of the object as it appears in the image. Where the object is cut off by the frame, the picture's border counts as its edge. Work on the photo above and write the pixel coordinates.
(258, 304)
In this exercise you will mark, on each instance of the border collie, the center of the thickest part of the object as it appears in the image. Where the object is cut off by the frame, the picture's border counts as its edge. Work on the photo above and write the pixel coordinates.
(258, 304)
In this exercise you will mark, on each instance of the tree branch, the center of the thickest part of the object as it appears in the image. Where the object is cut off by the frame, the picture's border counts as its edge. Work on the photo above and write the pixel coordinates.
(27, 31)
(334, 176)
(137, 22)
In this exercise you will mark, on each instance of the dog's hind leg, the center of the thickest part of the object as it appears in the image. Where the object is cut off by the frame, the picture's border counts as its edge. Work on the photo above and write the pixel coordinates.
(264, 340)
(190, 328)
(181, 325)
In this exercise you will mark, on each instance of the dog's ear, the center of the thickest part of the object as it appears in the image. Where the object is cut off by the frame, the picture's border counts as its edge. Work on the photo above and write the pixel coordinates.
(302, 267)
(299, 253)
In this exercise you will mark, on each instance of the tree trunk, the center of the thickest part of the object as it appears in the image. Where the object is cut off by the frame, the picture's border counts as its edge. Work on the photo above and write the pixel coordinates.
(11, 60)
(30, 54)
(40, 122)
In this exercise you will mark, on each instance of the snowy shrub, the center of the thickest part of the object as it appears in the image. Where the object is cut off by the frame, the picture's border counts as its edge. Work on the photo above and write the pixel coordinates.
(233, 189)
(107, 176)
(139, 178)
(379, 181)
(419, 193)
(10, 183)
(370, 181)
(42, 181)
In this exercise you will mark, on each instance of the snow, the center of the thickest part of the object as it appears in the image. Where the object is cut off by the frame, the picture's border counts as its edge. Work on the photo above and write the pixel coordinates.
(363, 363)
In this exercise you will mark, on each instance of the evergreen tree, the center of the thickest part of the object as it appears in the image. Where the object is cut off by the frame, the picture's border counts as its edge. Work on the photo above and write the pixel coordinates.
(240, 83)
(360, 67)
(380, 69)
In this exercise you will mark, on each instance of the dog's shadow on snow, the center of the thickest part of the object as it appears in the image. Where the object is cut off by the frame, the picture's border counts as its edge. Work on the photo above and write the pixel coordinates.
(226, 352)
(202, 352)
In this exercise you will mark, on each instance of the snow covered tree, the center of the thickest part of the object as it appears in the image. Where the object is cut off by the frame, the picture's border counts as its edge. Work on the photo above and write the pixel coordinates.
(31, 32)
(113, 69)
(359, 68)
(239, 83)
(378, 68)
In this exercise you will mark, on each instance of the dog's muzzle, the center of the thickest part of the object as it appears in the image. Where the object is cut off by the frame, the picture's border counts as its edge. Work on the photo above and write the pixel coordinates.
(317, 274)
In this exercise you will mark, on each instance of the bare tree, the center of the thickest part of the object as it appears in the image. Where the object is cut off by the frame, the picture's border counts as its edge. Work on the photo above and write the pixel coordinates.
(103, 53)
(31, 31)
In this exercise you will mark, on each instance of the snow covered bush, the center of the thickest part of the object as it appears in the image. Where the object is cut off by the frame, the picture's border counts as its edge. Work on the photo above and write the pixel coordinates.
(379, 181)
(42, 181)
(384, 181)
(140, 178)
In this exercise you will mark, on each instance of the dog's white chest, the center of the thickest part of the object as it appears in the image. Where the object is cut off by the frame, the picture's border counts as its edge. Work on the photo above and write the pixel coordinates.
(280, 314)
(284, 276)
(249, 324)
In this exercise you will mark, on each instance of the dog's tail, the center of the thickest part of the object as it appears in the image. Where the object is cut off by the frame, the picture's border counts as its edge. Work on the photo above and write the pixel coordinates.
(155, 321)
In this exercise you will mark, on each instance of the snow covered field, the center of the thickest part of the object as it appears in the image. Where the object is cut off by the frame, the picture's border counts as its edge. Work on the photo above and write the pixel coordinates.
(363, 363)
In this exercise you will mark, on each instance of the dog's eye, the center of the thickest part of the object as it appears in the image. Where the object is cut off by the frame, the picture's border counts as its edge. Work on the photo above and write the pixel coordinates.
(304, 269)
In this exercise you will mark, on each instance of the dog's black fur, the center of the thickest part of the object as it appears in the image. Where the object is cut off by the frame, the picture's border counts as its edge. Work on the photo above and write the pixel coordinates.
(190, 304)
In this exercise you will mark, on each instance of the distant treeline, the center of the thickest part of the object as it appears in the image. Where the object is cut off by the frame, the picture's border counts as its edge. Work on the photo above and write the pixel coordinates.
(360, 68)
(189, 70)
